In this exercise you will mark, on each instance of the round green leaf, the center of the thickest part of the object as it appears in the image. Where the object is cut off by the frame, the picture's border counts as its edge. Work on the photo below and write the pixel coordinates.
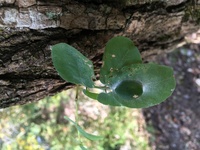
(71, 65)
(128, 89)
(119, 52)
(104, 98)
(142, 85)
(108, 99)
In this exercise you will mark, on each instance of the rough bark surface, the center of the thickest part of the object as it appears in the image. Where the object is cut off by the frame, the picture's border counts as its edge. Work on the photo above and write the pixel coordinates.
(29, 28)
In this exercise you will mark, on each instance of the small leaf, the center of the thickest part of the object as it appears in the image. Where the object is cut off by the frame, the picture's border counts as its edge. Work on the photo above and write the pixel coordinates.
(83, 147)
(90, 94)
(71, 65)
(129, 89)
(87, 135)
(104, 98)
(142, 85)
(83, 133)
(68, 119)
(108, 99)
(119, 52)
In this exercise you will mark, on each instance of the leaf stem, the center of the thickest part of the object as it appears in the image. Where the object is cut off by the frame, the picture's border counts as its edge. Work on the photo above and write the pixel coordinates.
(101, 87)
(77, 107)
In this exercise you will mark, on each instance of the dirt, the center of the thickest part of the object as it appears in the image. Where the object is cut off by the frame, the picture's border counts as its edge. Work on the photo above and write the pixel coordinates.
(176, 122)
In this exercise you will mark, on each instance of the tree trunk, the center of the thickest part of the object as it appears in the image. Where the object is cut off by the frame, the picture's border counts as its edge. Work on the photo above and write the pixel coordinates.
(29, 28)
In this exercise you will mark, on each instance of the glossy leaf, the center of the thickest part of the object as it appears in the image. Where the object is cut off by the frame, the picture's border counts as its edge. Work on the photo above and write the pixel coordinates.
(108, 99)
(128, 89)
(71, 65)
(119, 52)
(90, 94)
(155, 83)
(83, 133)
(104, 98)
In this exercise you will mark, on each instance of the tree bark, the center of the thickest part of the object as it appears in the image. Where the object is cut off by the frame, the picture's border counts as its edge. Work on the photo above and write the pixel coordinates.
(29, 28)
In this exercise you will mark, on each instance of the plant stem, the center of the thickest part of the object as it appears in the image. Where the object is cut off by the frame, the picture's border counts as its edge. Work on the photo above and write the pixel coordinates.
(101, 87)
(77, 107)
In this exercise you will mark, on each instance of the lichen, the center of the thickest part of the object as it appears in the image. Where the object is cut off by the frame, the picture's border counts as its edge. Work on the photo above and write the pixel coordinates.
(135, 2)
(192, 12)
(52, 15)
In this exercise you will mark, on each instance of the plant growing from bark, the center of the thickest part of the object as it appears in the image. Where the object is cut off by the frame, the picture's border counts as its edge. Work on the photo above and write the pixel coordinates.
(126, 80)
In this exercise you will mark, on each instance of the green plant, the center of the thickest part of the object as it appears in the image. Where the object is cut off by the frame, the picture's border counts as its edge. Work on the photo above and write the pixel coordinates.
(127, 81)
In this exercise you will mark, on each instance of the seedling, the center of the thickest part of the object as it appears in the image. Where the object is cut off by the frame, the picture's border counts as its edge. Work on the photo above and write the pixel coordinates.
(127, 81)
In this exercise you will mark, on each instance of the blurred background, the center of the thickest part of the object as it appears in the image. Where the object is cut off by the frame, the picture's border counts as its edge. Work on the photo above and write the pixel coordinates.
(171, 125)
(40, 126)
